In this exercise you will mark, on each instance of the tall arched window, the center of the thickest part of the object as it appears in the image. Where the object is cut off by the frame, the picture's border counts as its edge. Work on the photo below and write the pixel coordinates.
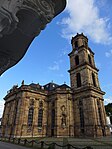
(32, 102)
(77, 60)
(89, 59)
(40, 104)
(53, 118)
(99, 112)
(78, 77)
(81, 112)
(53, 104)
(81, 117)
(76, 44)
(40, 117)
(94, 80)
(30, 116)
(86, 44)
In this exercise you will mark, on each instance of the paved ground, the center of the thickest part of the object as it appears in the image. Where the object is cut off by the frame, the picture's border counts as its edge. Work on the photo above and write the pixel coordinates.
(97, 143)
(4, 145)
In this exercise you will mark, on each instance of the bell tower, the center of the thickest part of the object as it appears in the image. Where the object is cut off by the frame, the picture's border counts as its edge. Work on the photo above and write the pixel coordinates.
(89, 111)
(83, 71)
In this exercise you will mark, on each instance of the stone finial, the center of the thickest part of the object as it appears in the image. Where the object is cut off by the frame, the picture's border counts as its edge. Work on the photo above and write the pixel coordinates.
(22, 83)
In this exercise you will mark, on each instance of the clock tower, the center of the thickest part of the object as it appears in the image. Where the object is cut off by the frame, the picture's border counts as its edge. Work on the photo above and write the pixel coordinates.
(89, 111)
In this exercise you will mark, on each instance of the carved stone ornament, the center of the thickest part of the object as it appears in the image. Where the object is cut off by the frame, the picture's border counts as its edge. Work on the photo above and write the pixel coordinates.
(63, 116)
(8, 18)
(20, 22)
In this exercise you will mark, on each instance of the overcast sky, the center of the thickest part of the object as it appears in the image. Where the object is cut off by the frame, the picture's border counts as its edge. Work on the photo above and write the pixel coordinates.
(47, 57)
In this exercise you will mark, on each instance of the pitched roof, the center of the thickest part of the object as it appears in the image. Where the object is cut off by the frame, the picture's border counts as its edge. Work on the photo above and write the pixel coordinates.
(64, 86)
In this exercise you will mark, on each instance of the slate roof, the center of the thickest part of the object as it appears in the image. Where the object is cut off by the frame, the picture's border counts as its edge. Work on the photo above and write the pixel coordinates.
(35, 85)
(64, 86)
(50, 86)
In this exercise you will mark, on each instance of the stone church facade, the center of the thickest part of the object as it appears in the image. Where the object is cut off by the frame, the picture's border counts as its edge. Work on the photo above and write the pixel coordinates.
(59, 110)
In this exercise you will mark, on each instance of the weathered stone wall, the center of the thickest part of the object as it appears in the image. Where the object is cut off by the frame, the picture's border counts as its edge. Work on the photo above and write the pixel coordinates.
(88, 98)
(64, 115)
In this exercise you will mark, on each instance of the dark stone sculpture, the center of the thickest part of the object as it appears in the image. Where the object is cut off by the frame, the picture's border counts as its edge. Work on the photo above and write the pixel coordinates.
(20, 22)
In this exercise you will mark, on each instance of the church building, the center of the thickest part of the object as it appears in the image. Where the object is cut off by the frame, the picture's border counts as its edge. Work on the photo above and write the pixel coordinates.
(59, 110)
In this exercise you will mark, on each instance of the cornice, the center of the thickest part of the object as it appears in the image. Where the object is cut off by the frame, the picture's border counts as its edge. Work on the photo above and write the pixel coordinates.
(88, 88)
(25, 88)
(83, 64)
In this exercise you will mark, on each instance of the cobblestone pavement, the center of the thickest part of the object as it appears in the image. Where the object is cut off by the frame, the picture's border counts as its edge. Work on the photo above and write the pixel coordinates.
(4, 145)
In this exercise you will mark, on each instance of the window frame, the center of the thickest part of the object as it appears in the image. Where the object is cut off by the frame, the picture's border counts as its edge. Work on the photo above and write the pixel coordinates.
(78, 79)
(30, 116)
(77, 60)
(40, 117)
(94, 79)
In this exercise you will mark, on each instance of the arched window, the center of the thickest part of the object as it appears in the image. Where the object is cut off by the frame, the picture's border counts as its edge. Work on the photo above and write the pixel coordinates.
(98, 103)
(99, 112)
(53, 104)
(30, 116)
(76, 44)
(53, 118)
(77, 60)
(94, 80)
(80, 103)
(78, 77)
(85, 44)
(32, 102)
(89, 59)
(40, 104)
(40, 117)
(81, 117)
(81, 112)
